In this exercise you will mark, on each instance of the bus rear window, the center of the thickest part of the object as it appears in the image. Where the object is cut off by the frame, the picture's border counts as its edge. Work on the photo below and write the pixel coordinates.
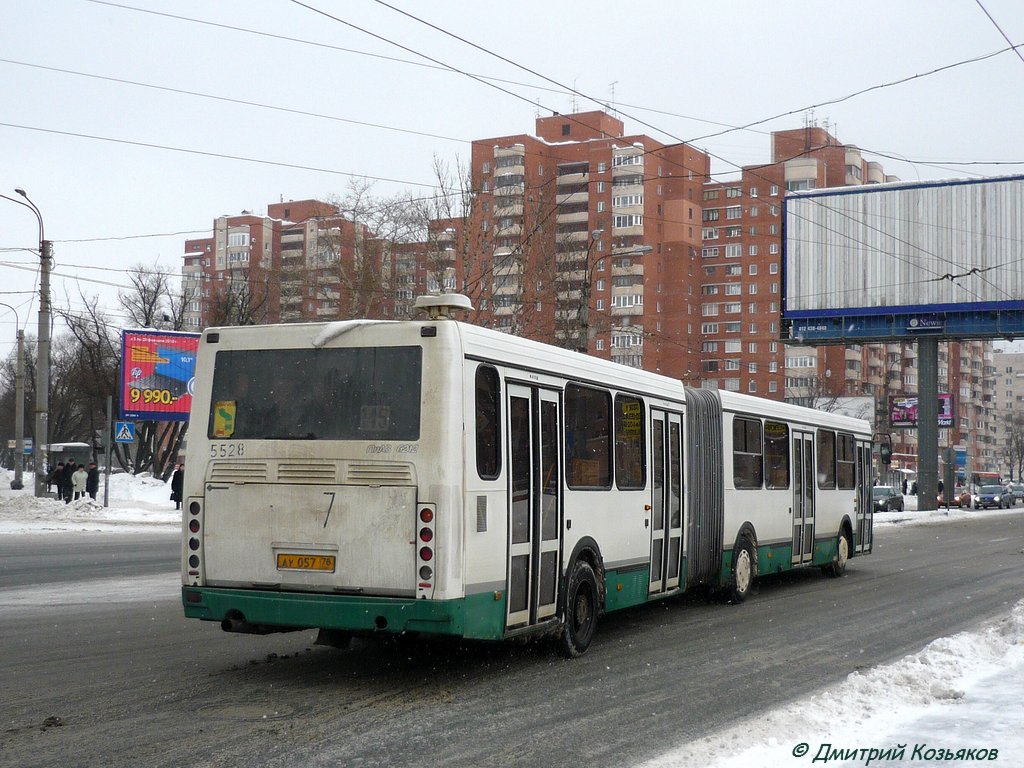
(355, 393)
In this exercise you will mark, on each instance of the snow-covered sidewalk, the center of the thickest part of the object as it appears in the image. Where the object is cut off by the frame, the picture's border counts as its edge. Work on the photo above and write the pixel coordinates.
(137, 504)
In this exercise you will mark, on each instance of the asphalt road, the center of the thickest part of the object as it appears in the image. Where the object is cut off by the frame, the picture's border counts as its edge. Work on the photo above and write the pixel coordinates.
(109, 673)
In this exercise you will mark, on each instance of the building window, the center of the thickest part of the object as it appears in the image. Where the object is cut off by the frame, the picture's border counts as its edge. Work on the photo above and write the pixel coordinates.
(709, 233)
(773, 268)
(733, 212)
(733, 192)
(627, 160)
(733, 251)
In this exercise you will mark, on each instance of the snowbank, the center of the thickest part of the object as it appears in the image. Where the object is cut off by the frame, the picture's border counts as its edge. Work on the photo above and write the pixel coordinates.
(959, 692)
(137, 504)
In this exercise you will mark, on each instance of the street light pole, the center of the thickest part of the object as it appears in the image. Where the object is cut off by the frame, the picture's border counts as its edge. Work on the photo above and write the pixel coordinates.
(41, 444)
(19, 404)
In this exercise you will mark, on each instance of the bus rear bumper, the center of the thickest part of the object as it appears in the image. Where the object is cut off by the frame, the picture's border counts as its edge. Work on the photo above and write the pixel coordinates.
(473, 616)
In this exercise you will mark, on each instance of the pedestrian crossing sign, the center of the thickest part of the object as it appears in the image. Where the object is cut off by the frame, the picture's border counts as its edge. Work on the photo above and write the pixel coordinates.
(124, 431)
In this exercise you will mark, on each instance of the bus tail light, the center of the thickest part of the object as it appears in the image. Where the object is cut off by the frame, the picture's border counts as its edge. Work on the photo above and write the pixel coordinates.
(194, 541)
(425, 554)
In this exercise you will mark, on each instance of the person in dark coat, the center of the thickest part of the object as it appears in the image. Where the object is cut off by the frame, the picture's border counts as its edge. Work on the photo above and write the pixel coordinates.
(56, 477)
(92, 483)
(178, 485)
(69, 484)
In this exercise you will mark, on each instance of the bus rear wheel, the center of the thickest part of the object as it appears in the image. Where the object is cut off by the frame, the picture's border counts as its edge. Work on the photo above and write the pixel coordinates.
(838, 566)
(744, 567)
(581, 607)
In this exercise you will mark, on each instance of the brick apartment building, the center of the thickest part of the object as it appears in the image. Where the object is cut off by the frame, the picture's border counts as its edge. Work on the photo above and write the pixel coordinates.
(298, 262)
(589, 238)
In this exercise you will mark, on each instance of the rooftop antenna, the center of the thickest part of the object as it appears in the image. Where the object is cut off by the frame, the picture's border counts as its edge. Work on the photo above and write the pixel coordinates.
(611, 87)
(574, 104)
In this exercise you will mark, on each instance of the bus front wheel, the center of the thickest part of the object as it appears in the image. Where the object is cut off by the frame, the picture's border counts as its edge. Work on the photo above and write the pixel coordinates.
(581, 607)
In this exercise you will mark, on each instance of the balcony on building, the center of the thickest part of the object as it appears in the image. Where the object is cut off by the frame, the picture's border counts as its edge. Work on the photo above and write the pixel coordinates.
(573, 173)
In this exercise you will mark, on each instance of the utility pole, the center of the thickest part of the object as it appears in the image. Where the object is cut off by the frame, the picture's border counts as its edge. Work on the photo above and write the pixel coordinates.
(42, 421)
(19, 403)
(19, 414)
(41, 444)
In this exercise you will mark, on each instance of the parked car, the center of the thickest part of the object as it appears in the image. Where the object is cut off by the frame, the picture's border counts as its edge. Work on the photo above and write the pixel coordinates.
(991, 496)
(886, 498)
(1016, 491)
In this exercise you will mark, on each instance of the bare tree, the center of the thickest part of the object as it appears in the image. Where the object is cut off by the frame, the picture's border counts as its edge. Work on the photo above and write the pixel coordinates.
(243, 299)
(1015, 443)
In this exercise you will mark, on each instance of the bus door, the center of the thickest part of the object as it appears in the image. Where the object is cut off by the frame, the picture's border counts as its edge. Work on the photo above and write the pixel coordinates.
(803, 497)
(865, 507)
(534, 514)
(666, 500)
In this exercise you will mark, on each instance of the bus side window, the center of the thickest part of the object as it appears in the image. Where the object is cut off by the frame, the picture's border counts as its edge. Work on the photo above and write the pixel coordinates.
(630, 461)
(846, 478)
(588, 430)
(776, 455)
(488, 421)
(747, 464)
(826, 459)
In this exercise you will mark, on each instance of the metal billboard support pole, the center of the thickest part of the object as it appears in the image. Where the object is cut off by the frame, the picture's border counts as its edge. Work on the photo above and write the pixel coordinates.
(928, 423)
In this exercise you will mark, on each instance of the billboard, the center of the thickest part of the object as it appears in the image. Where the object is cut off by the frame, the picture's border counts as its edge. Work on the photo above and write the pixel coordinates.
(903, 411)
(894, 260)
(157, 373)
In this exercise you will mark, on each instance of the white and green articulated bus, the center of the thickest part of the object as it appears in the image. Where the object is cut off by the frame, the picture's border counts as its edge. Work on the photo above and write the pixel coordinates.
(366, 477)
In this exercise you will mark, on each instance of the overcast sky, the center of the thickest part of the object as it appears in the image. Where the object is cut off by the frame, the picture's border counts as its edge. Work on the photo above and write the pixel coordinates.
(688, 69)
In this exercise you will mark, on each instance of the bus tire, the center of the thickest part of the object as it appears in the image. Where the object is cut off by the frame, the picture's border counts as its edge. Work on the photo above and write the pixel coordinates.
(837, 567)
(744, 568)
(581, 607)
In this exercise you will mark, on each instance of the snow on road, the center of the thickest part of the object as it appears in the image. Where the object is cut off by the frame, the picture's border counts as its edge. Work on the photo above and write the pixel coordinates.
(964, 692)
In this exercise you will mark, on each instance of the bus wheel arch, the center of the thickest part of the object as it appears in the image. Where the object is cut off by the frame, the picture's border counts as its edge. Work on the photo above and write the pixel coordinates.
(844, 550)
(744, 565)
(582, 599)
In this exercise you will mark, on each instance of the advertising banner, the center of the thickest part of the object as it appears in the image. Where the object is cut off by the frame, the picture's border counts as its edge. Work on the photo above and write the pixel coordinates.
(903, 411)
(157, 372)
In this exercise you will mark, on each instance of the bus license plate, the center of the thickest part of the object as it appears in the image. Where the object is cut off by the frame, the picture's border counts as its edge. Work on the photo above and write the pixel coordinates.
(292, 562)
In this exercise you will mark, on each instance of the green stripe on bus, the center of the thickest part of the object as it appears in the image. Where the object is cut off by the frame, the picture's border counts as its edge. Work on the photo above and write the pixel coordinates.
(476, 616)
